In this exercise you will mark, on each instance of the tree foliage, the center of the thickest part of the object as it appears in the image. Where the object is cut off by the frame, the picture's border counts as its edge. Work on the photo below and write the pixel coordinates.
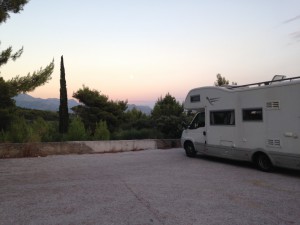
(6, 116)
(30, 127)
(40, 130)
(63, 106)
(27, 83)
(16, 85)
(97, 107)
(101, 131)
(6, 105)
(7, 7)
(35, 125)
(5, 97)
(221, 80)
(10, 6)
(7, 54)
(33, 114)
(168, 115)
(135, 119)
(136, 125)
(19, 131)
(76, 130)
(136, 134)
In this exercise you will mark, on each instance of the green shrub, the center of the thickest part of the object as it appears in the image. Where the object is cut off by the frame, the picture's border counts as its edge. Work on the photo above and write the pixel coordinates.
(3, 136)
(76, 130)
(40, 130)
(19, 131)
(135, 134)
(53, 133)
(101, 131)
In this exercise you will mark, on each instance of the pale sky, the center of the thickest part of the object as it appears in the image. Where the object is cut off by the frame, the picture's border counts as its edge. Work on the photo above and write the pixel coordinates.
(140, 50)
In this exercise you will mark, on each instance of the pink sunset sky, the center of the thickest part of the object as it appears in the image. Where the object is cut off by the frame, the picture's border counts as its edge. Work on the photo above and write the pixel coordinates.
(139, 50)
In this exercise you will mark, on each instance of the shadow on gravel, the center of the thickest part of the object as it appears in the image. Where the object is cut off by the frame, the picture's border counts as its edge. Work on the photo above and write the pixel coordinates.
(227, 161)
(244, 164)
(288, 172)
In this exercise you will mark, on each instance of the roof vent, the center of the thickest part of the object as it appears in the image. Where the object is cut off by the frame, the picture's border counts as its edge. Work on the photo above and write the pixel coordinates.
(278, 77)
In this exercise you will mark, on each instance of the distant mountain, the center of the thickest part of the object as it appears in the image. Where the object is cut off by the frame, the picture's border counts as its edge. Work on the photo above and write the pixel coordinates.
(143, 108)
(52, 104)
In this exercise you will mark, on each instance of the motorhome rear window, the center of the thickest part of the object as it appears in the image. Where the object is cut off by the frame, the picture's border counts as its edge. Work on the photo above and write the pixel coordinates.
(224, 117)
(255, 114)
(195, 98)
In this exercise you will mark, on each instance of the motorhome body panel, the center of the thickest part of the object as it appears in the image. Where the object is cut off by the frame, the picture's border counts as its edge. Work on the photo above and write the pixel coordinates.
(266, 119)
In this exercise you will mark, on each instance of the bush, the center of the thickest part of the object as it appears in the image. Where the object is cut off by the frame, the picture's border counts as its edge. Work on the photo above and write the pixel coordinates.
(22, 131)
(19, 131)
(3, 136)
(53, 133)
(40, 130)
(6, 117)
(101, 131)
(134, 134)
(76, 130)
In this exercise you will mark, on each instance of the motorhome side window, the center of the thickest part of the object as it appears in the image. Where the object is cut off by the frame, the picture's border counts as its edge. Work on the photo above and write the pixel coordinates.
(195, 98)
(224, 117)
(255, 114)
(198, 121)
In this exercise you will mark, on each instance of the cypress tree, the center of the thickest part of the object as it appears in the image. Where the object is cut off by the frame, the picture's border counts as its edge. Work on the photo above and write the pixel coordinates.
(63, 107)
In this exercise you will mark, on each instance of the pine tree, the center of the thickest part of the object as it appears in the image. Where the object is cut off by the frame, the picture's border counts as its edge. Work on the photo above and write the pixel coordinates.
(167, 115)
(27, 83)
(221, 80)
(63, 107)
(17, 84)
(6, 105)
(10, 6)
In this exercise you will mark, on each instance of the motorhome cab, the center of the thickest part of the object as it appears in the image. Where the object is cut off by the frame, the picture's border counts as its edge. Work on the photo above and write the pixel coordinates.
(256, 122)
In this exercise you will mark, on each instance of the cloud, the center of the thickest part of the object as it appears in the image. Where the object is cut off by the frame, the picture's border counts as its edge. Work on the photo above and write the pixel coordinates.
(296, 35)
(292, 19)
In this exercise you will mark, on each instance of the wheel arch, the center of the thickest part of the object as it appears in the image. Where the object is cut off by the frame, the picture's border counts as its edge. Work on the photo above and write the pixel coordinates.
(188, 141)
(263, 161)
(260, 151)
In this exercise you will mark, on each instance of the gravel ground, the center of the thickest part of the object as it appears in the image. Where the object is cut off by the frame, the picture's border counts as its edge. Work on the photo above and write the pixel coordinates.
(146, 187)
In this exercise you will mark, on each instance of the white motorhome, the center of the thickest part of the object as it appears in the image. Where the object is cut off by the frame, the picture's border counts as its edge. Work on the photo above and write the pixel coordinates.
(256, 122)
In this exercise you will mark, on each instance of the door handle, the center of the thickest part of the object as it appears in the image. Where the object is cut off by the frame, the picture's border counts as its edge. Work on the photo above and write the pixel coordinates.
(204, 133)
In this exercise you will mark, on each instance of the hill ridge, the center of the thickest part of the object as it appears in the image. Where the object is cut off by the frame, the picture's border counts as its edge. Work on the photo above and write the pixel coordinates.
(52, 104)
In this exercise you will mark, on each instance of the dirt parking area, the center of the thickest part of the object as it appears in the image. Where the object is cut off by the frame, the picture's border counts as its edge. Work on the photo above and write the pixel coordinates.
(145, 187)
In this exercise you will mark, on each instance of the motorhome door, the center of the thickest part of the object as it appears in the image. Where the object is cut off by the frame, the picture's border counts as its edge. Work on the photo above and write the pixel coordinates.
(197, 131)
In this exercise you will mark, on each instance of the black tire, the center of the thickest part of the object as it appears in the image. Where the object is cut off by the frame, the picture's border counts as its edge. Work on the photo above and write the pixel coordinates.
(189, 149)
(263, 162)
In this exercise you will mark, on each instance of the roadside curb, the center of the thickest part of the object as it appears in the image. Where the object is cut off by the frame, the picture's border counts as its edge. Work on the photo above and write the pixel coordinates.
(42, 149)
